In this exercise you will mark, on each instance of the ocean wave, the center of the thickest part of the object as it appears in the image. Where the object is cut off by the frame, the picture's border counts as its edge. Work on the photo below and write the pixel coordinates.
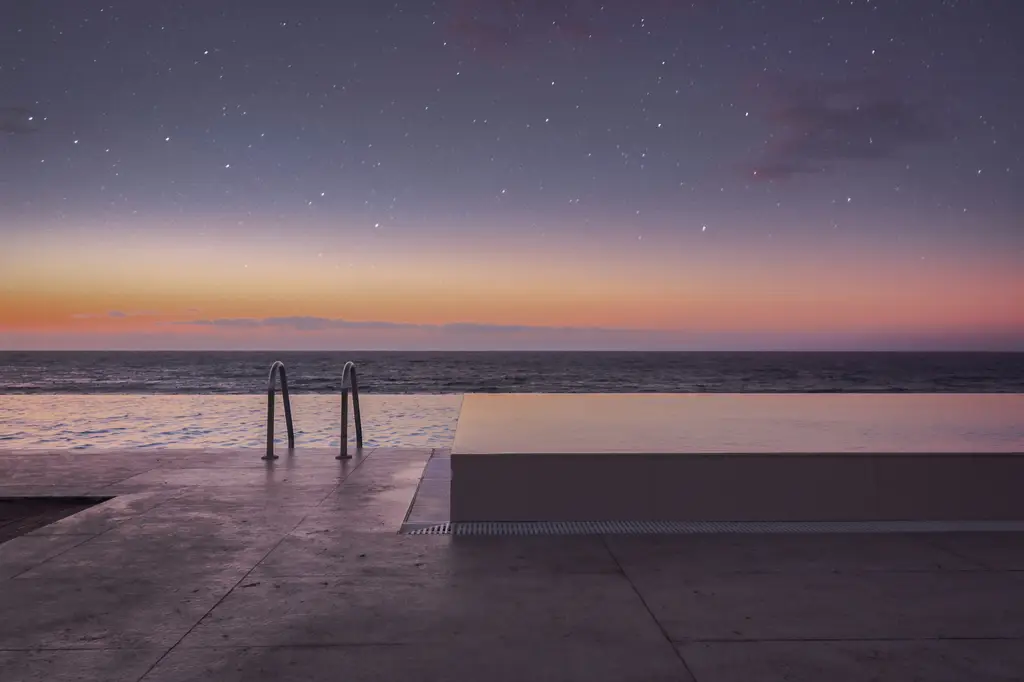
(168, 373)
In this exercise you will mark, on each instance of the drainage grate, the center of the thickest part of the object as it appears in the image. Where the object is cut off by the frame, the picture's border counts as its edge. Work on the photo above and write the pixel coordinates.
(694, 527)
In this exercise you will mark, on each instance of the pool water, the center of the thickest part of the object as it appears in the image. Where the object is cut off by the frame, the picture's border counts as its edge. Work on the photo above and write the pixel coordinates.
(141, 421)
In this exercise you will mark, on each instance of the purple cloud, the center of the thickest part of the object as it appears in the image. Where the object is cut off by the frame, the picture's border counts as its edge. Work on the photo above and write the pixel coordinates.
(819, 125)
(305, 324)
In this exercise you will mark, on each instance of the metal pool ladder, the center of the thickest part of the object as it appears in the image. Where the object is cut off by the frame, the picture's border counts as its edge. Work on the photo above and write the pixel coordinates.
(349, 381)
(278, 367)
(348, 377)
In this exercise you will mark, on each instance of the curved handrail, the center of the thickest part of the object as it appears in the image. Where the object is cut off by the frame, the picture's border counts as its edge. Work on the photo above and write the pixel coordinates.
(278, 367)
(348, 376)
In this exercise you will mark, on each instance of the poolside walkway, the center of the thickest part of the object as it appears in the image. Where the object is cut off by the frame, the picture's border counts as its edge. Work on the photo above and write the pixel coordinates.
(210, 565)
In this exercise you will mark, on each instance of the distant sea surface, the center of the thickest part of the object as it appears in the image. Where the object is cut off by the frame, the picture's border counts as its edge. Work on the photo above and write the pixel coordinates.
(530, 372)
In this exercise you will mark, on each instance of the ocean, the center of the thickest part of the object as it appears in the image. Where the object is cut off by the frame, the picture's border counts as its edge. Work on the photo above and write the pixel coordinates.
(104, 400)
(528, 372)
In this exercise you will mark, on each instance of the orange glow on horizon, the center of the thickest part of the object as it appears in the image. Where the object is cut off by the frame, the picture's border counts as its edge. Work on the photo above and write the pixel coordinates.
(70, 287)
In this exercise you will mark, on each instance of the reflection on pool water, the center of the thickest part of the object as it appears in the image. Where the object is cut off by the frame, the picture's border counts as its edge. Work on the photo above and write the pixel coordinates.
(138, 421)
(741, 423)
(532, 423)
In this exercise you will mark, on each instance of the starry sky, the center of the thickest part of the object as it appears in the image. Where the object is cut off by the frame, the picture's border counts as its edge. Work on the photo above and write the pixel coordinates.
(507, 174)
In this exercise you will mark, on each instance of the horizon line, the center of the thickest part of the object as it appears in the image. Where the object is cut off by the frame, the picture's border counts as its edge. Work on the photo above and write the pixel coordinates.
(513, 350)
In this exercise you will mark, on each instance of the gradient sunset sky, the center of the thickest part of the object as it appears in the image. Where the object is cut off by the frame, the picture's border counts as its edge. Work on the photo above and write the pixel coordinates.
(507, 174)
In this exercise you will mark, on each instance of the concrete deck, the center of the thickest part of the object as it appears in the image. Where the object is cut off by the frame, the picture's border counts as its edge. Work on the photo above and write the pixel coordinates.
(213, 565)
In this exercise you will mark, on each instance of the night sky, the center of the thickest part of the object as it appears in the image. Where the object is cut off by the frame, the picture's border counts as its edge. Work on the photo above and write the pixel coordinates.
(730, 174)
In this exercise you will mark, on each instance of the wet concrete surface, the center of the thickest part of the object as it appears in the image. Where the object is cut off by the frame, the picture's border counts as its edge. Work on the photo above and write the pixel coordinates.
(214, 565)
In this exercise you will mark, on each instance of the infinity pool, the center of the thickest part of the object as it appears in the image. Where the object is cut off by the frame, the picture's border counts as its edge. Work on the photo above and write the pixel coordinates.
(533, 423)
(134, 421)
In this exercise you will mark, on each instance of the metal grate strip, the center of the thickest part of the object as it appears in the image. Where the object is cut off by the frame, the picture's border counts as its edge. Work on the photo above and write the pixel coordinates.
(693, 527)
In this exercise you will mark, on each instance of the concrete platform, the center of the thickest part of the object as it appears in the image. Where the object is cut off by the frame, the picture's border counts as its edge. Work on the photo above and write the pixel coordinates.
(744, 457)
(213, 565)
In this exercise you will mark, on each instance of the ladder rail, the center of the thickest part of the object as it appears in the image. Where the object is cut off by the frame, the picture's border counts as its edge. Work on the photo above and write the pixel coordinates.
(349, 378)
(278, 369)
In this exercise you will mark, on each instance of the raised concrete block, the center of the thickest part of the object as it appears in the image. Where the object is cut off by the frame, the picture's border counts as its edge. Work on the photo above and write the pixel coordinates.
(750, 457)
